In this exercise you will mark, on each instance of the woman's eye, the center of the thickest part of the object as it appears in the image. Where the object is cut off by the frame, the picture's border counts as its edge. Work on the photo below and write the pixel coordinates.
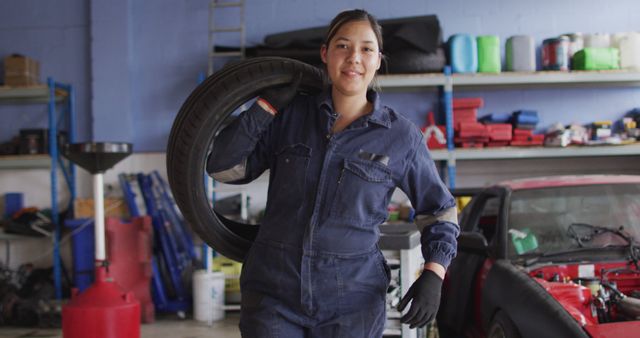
(341, 46)
(368, 50)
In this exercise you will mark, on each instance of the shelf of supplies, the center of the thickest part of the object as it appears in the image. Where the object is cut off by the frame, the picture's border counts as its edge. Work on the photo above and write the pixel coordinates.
(508, 79)
(42, 161)
(504, 153)
(31, 94)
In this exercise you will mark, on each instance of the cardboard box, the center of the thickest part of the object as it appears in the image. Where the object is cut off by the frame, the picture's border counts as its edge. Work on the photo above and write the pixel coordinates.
(20, 70)
(113, 207)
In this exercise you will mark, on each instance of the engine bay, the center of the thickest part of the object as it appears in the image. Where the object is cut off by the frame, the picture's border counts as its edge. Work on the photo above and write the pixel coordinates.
(594, 293)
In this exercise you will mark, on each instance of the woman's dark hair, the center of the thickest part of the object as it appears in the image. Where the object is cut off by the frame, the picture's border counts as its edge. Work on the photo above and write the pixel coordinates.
(354, 15)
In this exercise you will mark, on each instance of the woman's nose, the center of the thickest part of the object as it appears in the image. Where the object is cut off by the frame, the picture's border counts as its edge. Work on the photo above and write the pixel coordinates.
(354, 56)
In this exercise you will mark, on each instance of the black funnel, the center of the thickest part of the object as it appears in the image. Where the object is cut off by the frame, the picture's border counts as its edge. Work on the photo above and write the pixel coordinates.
(97, 157)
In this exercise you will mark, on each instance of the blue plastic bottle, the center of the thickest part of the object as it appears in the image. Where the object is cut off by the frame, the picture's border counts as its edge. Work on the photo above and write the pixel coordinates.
(463, 53)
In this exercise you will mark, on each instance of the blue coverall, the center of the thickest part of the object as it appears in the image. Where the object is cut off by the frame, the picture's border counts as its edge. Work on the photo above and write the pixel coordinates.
(315, 269)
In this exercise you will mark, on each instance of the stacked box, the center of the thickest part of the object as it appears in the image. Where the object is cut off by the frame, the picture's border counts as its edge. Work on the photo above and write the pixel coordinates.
(469, 133)
(499, 132)
(20, 71)
(525, 137)
(464, 115)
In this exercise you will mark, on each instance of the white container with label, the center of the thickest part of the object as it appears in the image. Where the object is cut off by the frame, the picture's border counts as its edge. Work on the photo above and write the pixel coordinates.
(208, 296)
(630, 51)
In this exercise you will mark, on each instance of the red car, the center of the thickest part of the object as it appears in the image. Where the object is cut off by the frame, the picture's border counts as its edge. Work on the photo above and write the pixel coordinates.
(547, 257)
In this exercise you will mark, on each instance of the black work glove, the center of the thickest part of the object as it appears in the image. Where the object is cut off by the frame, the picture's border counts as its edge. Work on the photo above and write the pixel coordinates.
(280, 97)
(425, 293)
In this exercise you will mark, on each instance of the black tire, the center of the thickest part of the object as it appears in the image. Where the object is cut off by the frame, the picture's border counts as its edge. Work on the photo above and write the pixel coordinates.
(199, 120)
(502, 327)
(409, 61)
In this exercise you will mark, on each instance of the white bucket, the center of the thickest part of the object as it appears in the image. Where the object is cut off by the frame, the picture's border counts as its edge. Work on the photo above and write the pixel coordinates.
(208, 296)
(630, 51)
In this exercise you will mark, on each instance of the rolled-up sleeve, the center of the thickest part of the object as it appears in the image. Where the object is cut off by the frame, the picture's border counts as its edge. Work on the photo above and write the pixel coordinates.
(241, 150)
(436, 212)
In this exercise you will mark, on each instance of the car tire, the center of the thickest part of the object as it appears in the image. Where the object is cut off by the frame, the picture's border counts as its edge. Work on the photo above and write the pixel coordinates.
(200, 118)
(502, 327)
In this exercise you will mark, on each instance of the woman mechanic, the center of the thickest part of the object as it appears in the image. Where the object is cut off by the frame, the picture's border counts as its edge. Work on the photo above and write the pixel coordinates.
(315, 269)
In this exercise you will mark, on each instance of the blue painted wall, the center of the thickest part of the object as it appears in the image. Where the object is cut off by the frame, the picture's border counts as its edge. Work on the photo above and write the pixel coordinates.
(56, 33)
(144, 56)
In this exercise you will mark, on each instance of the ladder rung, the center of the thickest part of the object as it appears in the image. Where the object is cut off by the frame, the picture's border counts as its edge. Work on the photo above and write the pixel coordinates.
(227, 4)
(214, 54)
(229, 29)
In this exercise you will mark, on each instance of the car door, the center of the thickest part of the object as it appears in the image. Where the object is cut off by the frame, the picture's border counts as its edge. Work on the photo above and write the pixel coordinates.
(480, 216)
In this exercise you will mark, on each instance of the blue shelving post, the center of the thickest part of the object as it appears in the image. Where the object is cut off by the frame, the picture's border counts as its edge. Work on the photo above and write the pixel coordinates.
(69, 173)
(448, 109)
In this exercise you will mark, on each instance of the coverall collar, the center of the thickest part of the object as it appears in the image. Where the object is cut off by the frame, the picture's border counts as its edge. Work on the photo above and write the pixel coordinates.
(379, 115)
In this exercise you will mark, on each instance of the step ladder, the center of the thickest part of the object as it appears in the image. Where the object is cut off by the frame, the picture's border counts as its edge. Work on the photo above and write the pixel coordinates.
(220, 7)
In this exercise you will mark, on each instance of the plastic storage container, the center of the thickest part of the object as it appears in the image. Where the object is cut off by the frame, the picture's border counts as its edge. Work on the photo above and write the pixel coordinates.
(630, 51)
(83, 251)
(489, 54)
(208, 296)
(597, 59)
(576, 42)
(232, 270)
(129, 251)
(597, 40)
(555, 53)
(521, 53)
(463, 53)
(13, 201)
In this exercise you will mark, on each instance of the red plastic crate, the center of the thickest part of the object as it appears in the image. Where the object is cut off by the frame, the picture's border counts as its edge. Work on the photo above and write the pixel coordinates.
(534, 140)
(493, 144)
(472, 129)
(499, 132)
(468, 102)
(464, 115)
(470, 144)
(518, 133)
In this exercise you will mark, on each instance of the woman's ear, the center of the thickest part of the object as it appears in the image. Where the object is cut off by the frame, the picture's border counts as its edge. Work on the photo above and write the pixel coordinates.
(323, 53)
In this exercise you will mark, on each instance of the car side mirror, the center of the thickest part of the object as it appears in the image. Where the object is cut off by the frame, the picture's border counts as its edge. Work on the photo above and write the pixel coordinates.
(473, 242)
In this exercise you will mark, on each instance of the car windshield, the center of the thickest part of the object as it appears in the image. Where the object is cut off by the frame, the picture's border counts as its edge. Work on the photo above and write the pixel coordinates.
(571, 219)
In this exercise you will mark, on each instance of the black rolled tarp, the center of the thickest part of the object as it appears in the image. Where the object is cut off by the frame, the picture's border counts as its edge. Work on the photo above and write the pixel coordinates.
(411, 45)
(193, 132)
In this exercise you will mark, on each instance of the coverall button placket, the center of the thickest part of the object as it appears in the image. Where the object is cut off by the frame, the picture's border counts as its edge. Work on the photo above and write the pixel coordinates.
(306, 287)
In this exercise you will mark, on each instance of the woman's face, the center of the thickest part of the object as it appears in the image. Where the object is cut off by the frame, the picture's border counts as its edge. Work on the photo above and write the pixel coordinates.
(352, 57)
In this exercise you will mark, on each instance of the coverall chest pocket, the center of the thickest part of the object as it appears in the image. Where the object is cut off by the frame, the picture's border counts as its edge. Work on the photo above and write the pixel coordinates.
(288, 185)
(361, 190)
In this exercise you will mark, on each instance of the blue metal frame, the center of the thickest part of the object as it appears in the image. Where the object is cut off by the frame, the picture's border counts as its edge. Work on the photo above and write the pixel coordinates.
(70, 174)
(447, 94)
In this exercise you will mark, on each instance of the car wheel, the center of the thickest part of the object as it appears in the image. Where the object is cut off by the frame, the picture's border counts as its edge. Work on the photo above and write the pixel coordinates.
(193, 132)
(502, 327)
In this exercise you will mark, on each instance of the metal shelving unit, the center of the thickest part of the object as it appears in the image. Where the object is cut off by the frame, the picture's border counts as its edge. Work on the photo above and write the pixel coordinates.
(512, 80)
(506, 153)
(60, 100)
(25, 162)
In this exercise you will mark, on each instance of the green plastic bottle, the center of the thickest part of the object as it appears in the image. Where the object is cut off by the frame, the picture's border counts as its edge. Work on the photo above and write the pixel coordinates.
(488, 54)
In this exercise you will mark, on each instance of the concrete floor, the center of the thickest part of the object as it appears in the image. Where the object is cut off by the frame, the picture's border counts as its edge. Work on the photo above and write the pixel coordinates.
(169, 327)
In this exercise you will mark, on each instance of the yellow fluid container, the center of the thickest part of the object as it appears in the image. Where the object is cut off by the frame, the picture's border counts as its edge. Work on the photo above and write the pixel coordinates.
(231, 270)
